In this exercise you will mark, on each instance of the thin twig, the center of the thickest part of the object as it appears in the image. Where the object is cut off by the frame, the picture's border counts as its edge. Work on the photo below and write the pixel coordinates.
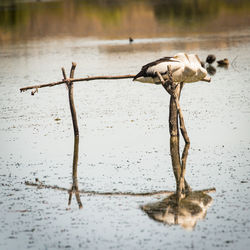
(182, 124)
(72, 70)
(64, 73)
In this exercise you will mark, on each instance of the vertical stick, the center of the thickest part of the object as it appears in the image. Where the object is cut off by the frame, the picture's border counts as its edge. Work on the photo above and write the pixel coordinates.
(71, 100)
(64, 74)
(173, 114)
(182, 124)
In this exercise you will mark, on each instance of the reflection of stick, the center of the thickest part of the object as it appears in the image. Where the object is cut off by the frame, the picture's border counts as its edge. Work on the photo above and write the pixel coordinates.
(74, 188)
(183, 166)
(177, 168)
(41, 185)
(161, 192)
(182, 124)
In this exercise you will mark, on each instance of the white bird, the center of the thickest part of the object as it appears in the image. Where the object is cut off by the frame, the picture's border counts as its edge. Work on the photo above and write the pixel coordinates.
(184, 68)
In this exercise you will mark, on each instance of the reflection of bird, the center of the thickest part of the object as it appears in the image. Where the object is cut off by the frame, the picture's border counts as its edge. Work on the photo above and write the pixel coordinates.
(184, 68)
(211, 70)
(223, 62)
(210, 59)
(131, 39)
(185, 213)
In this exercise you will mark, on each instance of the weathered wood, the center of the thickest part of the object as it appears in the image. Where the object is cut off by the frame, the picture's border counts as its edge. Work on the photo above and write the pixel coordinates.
(76, 80)
(181, 119)
(173, 115)
(71, 100)
(174, 90)
(72, 70)
(64, 74)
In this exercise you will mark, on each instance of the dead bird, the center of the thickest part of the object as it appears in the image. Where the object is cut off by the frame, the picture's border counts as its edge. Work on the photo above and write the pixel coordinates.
(210, 59)
(223, 63)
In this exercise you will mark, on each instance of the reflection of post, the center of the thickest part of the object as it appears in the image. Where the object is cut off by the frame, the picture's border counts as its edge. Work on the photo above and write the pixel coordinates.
(74, 188)
(185, 207)
(183, 167)
(177, 168)
(69, 83)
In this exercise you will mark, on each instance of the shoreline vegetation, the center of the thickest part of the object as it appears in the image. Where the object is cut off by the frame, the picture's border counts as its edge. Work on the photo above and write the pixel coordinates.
(25, 20)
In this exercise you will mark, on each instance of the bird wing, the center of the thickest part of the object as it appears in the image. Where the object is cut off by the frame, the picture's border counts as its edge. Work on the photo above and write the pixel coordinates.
(149, 70)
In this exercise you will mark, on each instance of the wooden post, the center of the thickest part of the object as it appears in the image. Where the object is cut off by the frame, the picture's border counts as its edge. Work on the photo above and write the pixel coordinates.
(173, 115)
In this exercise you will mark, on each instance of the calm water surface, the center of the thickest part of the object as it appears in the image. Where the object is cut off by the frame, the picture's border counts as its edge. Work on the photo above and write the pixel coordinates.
(124, 143)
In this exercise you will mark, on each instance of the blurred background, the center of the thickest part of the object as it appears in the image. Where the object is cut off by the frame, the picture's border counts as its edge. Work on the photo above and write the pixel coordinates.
(109, 19)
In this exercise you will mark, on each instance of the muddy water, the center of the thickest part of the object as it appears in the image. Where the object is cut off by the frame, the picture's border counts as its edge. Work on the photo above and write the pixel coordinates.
(124, 145)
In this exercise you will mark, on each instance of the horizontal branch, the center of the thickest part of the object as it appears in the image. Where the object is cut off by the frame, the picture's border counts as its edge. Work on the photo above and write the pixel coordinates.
(76, 80)
(41, 185)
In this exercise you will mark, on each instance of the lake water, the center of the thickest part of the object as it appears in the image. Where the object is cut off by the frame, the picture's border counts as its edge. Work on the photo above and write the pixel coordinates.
(124, 137)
